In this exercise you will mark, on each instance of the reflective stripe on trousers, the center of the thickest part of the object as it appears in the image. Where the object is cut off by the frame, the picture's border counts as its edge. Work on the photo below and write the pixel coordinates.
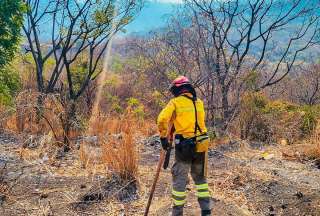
(179, 197)
(203, 190)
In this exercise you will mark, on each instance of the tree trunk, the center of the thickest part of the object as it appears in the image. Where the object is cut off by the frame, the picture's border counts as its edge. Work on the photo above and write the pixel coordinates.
(69, 118)
(225, 107)
(39, 108)
(20, 114)
(221, 121)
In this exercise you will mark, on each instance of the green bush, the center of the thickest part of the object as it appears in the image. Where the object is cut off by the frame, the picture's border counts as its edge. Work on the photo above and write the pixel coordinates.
(133, 102)
(278, 107)
(134, 106)
(172, 75)
(11, 20)
(79, 74)
(9, 85)
(311, 114)
(114, 103)
(269, 121)
(252, 124)
(212, 133)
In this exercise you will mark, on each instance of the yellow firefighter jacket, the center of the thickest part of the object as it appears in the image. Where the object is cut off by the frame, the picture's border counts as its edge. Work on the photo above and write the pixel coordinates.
(181, 112)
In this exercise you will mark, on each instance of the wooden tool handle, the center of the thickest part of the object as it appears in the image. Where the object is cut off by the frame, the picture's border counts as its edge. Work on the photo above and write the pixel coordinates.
(160, 163)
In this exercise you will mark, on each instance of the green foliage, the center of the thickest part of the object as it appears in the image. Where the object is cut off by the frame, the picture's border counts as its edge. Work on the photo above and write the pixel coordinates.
(212, 133)
(133, 102)
(252, 124)
(11, 20)
(28, 58)
(117, 64)
(256, 100)
(113, 81)
(265, 120)
(311, 114)
(158, 99)
(135, 107)
(251, 80)
(278, 106)
(79, 74)
(106, 13)
(9, 85)
(126, 20)
(172, 75)
(259, 102)
(51, 62)
(132, 105)
(102, 17)
(114, 103)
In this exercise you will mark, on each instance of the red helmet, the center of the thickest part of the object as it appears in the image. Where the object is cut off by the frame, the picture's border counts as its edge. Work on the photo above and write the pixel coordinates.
(182, 85)
(180, 81)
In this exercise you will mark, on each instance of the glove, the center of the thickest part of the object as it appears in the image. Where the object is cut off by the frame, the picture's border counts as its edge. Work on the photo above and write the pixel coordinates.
(164, 143)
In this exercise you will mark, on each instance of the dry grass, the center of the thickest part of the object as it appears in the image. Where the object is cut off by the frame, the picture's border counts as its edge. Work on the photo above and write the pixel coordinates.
(116, 144)
(309, 149)
(28, 119)
(219, 141)
(114, 149)
(45, 148)
(312, 150)
(121, 157)
(119, 152)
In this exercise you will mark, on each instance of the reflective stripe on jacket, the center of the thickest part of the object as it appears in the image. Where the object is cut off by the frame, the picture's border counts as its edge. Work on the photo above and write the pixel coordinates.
(182, 113)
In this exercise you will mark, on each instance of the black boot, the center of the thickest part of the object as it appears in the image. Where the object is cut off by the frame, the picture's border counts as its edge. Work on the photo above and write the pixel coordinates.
(177, 211)
(205, 212)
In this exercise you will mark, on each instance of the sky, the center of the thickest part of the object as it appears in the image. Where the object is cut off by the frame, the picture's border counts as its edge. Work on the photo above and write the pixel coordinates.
(170, 1)
(153, 15)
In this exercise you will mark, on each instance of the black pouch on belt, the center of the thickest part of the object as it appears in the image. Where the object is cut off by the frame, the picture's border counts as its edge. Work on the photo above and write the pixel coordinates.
(185, 148)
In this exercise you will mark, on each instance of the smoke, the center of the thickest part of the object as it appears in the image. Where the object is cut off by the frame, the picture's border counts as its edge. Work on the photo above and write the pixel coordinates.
(102, 77)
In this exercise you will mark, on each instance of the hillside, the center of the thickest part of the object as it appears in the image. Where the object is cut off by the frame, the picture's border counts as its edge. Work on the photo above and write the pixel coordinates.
(94, 95)
(241, 180)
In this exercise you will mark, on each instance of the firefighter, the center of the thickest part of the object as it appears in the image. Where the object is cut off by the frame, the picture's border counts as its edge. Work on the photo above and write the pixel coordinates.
(187, 114)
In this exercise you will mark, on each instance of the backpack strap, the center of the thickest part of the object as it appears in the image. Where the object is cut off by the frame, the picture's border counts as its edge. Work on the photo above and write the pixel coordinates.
(196, 125)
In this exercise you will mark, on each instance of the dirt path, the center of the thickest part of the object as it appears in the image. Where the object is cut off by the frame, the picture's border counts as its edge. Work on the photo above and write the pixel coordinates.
(244, 183)
(241, 181)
